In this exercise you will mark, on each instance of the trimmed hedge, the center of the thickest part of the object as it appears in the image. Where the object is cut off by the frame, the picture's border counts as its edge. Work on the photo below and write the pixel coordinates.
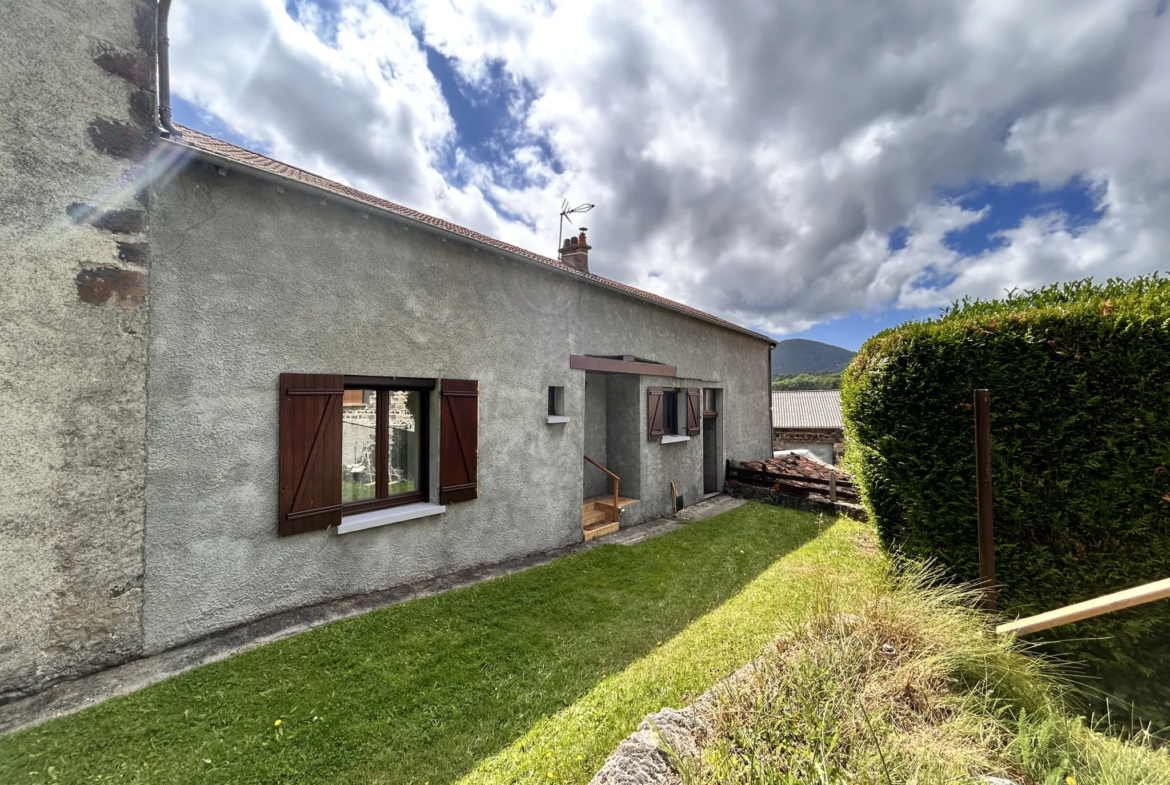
(1079, 376)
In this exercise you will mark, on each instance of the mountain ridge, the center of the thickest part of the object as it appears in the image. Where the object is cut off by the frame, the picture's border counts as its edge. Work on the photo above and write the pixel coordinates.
(800, 355)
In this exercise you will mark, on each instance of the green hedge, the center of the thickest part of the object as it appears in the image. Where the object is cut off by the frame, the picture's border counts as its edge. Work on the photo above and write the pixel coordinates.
(1079, 376)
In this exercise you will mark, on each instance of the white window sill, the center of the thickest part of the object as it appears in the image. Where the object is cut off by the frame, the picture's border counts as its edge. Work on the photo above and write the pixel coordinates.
(672, 438)
(407, 512)
(552, 419)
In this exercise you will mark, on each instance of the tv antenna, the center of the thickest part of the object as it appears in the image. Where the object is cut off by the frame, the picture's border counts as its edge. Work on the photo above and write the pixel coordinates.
(566, 211)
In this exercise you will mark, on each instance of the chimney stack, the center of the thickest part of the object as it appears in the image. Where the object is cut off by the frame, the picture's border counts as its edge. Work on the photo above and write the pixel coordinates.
(575, 252)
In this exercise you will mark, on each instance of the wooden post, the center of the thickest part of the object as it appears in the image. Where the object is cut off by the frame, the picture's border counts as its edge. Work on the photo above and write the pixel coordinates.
(833, 485)
(983, 497)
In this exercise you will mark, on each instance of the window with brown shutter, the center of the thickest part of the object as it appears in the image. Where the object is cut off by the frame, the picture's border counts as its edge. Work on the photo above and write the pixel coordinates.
(350, 445)
(653, 413)
(310, 452)
(694, 415)
(385, 443)
(458, 441)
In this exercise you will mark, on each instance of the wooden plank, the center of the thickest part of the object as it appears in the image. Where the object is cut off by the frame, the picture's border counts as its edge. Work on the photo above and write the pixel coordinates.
(1127, 598)
(583, 362)
(607, 500)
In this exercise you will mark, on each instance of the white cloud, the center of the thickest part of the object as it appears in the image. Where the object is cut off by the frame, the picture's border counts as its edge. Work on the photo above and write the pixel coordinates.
(753, 155)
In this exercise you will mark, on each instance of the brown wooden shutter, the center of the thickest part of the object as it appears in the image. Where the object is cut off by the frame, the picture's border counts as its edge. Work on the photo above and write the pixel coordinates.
(654, 412)
(694, 410)
(458, 441)
(310, 452)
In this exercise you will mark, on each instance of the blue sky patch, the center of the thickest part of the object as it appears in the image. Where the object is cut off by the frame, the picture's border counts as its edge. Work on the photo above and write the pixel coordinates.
(488, 120)
(898, 239)
(1008, 205)
(327, 22)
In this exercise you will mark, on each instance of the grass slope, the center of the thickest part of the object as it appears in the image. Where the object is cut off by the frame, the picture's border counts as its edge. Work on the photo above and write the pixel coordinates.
(914, 688)
(508, 681)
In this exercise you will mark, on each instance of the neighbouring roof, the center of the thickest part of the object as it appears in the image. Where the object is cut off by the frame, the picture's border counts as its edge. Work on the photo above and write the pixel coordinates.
(220, 149)
(807, 409)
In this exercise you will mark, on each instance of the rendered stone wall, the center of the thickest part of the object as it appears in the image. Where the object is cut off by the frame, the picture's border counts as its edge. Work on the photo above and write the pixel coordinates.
(77, 90)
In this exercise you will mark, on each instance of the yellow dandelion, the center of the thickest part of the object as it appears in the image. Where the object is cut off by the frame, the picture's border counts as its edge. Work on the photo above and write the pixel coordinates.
(580, 757)
(1071, 780)
(550, 775)
(276, 723)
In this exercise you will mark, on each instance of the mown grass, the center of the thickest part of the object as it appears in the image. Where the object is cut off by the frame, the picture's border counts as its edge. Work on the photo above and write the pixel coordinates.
(513, 680)
(913, 688)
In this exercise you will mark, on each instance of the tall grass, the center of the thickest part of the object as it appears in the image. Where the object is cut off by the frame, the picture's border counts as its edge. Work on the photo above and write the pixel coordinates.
(914, 688)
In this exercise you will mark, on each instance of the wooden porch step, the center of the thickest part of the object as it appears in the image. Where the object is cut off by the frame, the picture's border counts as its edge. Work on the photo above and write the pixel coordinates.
(592, 516)
(607, 499)
(600, 530)
(597, 515)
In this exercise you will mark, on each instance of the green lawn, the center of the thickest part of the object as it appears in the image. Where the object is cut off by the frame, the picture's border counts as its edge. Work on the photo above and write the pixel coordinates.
(534, 677)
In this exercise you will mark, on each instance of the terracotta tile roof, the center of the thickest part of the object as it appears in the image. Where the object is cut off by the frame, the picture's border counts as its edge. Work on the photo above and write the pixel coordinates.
(218, 147)
(807, 409)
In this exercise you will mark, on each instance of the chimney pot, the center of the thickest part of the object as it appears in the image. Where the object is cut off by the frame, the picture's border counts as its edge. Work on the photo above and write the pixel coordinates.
(575, 252)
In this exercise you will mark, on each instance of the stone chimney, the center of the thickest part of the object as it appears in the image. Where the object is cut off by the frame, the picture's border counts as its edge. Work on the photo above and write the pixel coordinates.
(575, 252)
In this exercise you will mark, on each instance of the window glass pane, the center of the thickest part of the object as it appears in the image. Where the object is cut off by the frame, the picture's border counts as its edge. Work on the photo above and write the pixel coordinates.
(670, 411)
(405, 411)
(358, 439)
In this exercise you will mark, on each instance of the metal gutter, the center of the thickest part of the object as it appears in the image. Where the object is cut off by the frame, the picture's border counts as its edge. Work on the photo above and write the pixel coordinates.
(363, 206)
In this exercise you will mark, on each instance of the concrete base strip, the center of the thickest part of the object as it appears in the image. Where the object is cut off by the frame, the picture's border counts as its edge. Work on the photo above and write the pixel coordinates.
(709, 508)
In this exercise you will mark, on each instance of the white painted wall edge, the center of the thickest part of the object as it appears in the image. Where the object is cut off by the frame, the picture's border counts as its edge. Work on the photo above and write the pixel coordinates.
(555, 418)
(672, 438)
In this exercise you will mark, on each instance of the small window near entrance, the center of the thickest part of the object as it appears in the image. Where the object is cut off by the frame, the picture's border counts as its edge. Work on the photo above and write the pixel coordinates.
(556, 405)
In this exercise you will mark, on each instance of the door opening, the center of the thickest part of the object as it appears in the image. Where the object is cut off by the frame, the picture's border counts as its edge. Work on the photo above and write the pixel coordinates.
(710, 443)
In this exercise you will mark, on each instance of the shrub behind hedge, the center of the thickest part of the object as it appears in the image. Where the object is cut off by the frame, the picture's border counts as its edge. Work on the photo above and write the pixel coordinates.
(1079, 376)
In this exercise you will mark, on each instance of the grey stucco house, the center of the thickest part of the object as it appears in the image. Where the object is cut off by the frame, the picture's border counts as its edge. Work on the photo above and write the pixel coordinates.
(235, 388)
